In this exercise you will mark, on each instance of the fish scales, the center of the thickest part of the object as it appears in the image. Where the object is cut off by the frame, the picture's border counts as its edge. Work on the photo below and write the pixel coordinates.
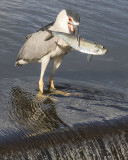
(84, 46)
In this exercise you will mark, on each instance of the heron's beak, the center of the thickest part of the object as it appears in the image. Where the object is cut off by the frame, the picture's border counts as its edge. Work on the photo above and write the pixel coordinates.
(76, 32)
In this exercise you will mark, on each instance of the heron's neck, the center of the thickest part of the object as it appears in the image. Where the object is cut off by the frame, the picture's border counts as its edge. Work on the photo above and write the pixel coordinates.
(60, 27)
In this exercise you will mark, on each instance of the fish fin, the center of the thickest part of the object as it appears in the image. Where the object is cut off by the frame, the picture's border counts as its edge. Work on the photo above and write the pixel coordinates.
(89, 57)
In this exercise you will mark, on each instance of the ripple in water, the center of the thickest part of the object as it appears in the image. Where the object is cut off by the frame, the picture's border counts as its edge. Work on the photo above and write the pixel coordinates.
(38, 128)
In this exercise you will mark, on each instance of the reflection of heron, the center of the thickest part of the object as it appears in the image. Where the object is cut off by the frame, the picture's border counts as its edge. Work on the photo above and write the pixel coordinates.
(40, 47)
(34, 113)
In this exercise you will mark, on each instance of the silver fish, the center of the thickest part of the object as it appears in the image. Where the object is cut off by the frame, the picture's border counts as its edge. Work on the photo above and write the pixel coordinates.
(82, 45)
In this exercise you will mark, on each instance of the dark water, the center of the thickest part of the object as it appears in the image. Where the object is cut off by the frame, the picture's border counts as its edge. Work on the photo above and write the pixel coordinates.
(87, 117)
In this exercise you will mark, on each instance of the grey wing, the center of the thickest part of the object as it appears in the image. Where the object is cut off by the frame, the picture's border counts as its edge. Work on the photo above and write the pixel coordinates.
(35, 48)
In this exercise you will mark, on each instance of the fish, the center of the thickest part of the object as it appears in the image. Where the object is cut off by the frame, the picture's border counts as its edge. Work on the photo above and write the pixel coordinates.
(81, 45)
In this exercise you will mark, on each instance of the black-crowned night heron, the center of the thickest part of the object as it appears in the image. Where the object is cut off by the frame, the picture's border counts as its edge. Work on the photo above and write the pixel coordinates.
(40, 48)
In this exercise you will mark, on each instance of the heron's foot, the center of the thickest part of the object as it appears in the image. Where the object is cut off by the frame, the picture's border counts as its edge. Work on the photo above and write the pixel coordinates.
(62, 93)
(51, 86)
(41, 85)
(52, 89)
(41, 97)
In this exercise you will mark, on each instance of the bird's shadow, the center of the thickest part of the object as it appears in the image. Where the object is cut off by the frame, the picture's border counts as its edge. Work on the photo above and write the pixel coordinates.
(34, 112)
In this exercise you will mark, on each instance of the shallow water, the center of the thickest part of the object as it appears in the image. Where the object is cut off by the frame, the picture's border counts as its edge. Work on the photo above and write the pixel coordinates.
(86, 118)
(81, 120)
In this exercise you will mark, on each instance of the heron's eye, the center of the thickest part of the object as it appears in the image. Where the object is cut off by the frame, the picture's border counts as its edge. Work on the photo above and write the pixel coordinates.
(70, 19)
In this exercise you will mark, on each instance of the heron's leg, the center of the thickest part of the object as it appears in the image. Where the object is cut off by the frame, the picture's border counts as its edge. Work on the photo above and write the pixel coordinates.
(57, 62)
(44, 64)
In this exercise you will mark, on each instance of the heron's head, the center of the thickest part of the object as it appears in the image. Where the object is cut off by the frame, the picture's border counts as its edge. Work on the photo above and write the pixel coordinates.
(68, 21)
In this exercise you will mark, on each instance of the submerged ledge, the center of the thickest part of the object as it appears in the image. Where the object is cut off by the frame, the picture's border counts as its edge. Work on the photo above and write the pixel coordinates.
(98, 137)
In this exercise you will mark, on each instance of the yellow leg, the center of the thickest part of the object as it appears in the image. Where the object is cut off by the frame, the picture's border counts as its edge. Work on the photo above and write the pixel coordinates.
(51, 84)
(44, 64)
(41, 85)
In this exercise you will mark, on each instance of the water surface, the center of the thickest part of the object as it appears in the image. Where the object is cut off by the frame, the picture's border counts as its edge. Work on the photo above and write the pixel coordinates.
(87, 116)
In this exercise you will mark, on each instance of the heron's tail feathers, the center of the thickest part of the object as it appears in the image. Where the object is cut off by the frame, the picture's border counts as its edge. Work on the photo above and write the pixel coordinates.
(20, 62)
